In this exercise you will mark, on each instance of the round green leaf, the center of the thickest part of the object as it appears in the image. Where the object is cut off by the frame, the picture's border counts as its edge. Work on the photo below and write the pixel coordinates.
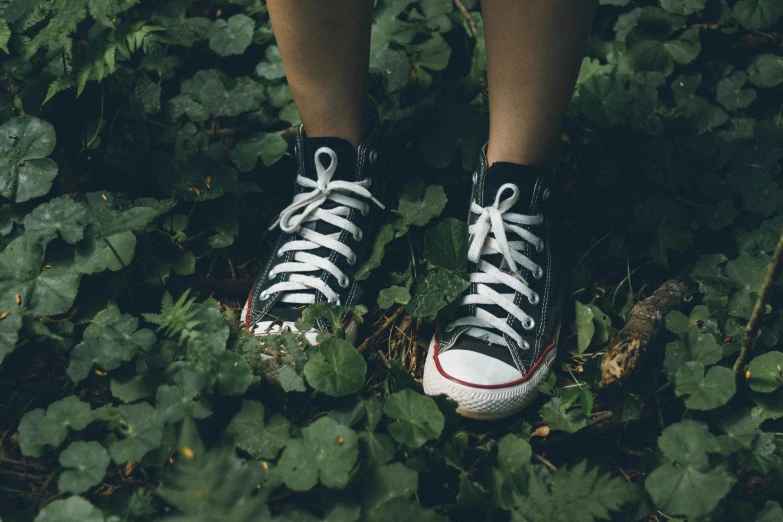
(766, 372)
(232, 36)
(418, 418)
(687, 491)
(766, 70)
(72, 509)
(88, 461)
(25, 170)
(29, 428)
(69, 412)
(419, 205)
(341, 372)
(142, 428)
(707, 392)
(61, 215)
(436, 290)
(758, 14)
(253, 434)
(328, 451)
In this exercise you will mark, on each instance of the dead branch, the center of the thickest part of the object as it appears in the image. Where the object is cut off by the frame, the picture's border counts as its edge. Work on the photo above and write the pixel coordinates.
(645, 323)
(774, 270)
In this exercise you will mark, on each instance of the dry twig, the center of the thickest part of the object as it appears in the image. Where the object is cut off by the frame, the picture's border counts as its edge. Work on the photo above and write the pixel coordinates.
(467, 16)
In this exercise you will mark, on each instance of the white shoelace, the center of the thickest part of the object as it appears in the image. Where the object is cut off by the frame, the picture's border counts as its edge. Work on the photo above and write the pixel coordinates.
(306, 209)
(497, 220)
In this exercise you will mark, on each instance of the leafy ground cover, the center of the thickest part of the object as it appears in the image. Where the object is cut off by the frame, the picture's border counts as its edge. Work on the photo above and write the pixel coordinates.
(137, 145)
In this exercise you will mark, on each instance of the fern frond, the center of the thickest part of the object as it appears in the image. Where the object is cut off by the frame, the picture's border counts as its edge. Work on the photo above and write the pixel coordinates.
(60, 84)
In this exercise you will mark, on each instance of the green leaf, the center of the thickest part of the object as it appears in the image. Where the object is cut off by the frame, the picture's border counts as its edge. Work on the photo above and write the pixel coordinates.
(60, 215)
(29, 433)
(272, 68)
(695, 345)
(72, 509)
(10, 324)
(557, 418)
(394, 68)
(683, 7)
(707, 392)
(748, 274)
(116, 338)
(45, 291)
(418, 206)
(692, 488)
(434, 292)
(234, 375)
(418, 418)
(25, 170)
(141, 426)
(446, 245)
(758, 14)
(232, 36)
(66, 413)
(584, 326)
(327, 450)
(433, 54)
(766, 70)
(385, 236)
(766, 372)
(731, 94)
(514, 453)
(184, 399)
(250, 432)
(341, 372)
(139, 386)
(222, 95)
(270, 147)
(88, 462)
(390, 482)
(388, 297)
(686, 48)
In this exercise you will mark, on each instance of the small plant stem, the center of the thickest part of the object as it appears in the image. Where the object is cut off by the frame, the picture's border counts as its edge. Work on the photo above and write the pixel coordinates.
(774, 269)
(467, 16)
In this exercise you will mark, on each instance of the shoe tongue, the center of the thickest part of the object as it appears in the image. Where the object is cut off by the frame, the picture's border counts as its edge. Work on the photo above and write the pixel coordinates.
(346, 157)
(523, 176)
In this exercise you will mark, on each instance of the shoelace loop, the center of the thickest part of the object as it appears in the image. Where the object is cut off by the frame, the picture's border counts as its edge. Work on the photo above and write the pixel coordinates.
(307, 208)
(488, 237)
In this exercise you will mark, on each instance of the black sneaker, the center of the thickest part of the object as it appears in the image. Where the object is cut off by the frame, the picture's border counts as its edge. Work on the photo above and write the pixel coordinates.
(491, 359)
(326, 234)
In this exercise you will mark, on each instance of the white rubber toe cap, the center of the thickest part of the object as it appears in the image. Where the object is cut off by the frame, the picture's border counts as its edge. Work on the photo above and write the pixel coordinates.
(270, 327)
(477, 369)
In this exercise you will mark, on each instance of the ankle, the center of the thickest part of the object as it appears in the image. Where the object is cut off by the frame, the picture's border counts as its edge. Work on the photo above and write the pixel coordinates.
(534, 156)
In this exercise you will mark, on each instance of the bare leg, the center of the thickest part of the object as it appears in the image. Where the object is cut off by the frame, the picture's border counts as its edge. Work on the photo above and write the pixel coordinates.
(325, 47)
(534, 49)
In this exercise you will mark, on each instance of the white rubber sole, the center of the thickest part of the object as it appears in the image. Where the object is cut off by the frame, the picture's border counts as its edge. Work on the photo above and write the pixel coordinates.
(267, 328)
(484, 403)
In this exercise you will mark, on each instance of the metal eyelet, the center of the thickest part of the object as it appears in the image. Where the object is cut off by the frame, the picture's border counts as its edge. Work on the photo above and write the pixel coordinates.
(373, 156)
(547, 193)
(358, 236)
(534, 299)
(369, 182)
(333, 301)
(475, 177)
(365, 211)
(351, 259)
(539, 273)
(264, 296)
(344, 282)
(530, 324)
(525, 345)
(540, 247)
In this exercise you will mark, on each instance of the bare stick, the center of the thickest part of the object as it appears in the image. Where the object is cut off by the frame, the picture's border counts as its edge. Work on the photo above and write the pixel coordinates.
(644, 324)
(774, 269)
(467, 16)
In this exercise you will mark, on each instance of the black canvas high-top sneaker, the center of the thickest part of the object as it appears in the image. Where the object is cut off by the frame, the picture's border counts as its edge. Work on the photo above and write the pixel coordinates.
(327, 232)
(492, 357)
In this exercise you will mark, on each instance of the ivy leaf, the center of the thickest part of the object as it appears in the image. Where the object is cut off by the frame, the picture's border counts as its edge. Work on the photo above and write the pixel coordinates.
(88, 461)
(766, 372)
(272, 68)
(232, 36)
(269, 147)
(513, 453)
(433, 54)
(72, 509)
(263, 440)
(740, 430)
(766, 70)
(25, 170)
(557, 418)
(683, 7)
(66, 413)
(390, 482)
(418, 206)
(184, 399)
(758, 14)
(220, 94)
(748, 273)
(388, 297)
(584, 326)
(327, 450)
(707, 392)
(139, 386)
(141, 425)
(114, 339)
(341, 372)
(434, 292)
(731, 94)
(385, 235)
(695, 345)
(691, 489)
(446, 245)
(60, 215)
(44, 289)
(686, 48)
(418, 418)
(234, 375)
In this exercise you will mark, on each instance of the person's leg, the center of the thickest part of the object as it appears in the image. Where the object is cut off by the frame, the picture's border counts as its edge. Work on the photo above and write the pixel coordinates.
(325, 47)
(534, 49)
